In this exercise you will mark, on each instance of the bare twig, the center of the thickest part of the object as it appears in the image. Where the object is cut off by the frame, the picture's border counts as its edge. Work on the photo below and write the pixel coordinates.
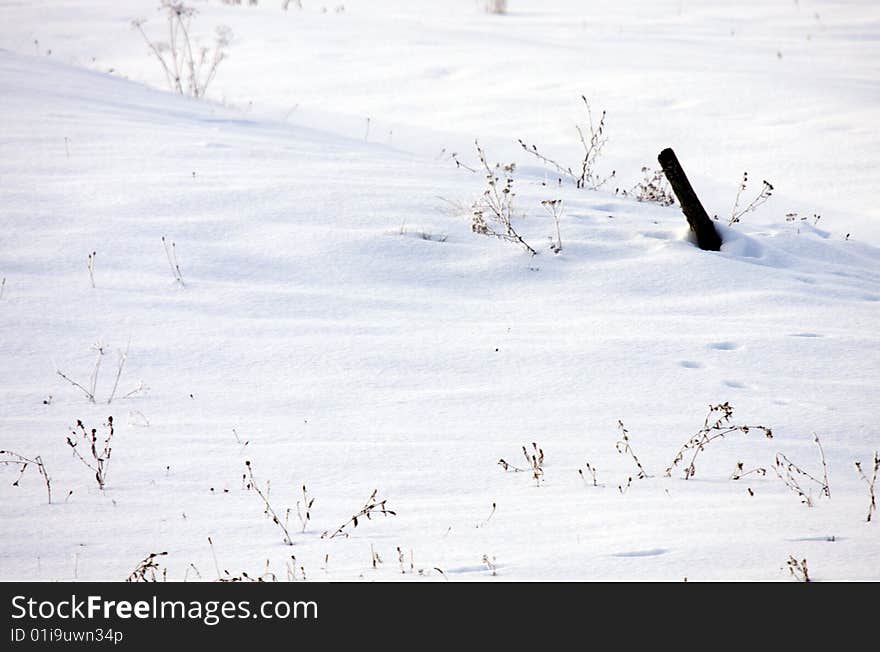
(269, 511)
(171, 255)
(554, 208)
(624, 448)
(593, 143)
(763, 195)
(739, 472)
(372, 507)
(304, 508)
(91, 265)
(792, 475)
(13, 458)
(875, 466)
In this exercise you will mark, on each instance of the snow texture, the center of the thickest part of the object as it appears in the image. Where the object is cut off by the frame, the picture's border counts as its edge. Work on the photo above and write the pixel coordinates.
(340, 326)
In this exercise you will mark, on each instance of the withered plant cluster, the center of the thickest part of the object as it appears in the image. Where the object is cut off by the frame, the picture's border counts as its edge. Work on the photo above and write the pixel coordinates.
(97, 448)
(717, 425)
(188, 66)
(492, 213)
(147, 568)
(798, 480)
(740, 209)
(653, 188)
(593, 139)
(798, 569)
(534, 463)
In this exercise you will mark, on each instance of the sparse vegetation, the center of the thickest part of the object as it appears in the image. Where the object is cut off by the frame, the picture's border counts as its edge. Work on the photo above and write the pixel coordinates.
(875, 466)
(98, 449)
(554, 208)
(371, 508)
(740, 472)
(304, 508)
(653, 188)
(793, 475)
(91, 391)
(624, 447)
(798, 569)
(534, 463)
(492, 214)
(251, 484)
(12, 458)
(593, 139)
(91, 266)
(716, 425)
(188, 66)
(739, 210)
(594, 481)
(171, 255)
(147, 568)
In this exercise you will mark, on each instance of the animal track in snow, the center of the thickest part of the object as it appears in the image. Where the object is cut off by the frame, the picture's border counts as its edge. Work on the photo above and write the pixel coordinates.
(653, 552)
(724, 346)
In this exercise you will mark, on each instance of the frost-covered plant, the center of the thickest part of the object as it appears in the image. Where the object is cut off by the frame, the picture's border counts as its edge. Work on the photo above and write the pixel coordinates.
(554, 208)
(716, 425)
(739, 210)
(593, 140)
(188, 66)
(493, 212)
(653, 188)
(91, 391)
(98, 450)
(496, 6)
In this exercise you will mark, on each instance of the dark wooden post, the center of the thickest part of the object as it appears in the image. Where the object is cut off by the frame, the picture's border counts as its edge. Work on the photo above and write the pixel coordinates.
(700, 222)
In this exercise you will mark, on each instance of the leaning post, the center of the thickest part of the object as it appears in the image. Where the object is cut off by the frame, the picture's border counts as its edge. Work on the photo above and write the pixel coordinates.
(701, 224)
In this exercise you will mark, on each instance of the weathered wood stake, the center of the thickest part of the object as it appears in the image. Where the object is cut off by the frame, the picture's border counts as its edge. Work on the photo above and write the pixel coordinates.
(700, 222)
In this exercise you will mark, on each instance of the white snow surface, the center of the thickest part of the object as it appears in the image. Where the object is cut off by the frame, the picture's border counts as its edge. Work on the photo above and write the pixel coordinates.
(339, 314)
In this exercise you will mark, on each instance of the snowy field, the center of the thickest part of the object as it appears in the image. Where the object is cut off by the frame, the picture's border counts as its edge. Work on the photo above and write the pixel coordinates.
(338, 325)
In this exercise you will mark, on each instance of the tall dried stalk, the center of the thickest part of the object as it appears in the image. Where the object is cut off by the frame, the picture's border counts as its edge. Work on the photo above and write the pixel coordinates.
(13, 458)
(268, 510)
(372, 507)
(875, 466)
(716, 425)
